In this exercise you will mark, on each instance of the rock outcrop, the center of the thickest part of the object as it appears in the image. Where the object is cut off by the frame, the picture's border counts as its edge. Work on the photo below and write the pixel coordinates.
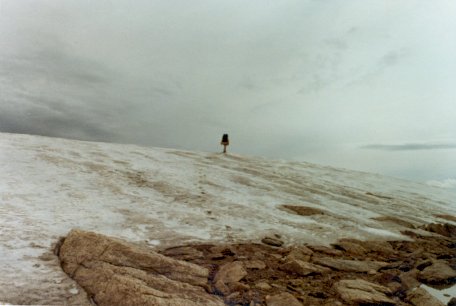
(446, 229)
(117, 273)
(282, 299)
(229, 276)
(347, 265)
(358, 291)
(420, 297)
(439, 273)
(303, 268)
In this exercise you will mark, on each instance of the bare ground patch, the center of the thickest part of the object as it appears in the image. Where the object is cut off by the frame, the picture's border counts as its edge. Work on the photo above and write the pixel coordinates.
(446, 217)
(303, 210)
(395, 220)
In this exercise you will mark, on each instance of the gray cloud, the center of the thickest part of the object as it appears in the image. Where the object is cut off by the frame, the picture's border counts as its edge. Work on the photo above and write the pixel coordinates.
(285, 79)
(410, 147)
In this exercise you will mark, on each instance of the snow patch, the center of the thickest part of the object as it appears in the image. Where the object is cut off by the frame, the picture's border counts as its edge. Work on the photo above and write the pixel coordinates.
(447, 183)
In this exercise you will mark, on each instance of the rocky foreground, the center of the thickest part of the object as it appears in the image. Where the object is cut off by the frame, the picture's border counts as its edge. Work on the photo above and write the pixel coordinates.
(350, 272)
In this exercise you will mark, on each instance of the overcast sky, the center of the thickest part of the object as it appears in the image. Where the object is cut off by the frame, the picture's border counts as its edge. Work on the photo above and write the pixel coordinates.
(359, 84)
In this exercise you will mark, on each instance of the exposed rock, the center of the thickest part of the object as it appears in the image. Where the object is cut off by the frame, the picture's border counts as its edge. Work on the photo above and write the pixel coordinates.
(380, 247)
(359, 291)
(254, 264)
(423, 264)
(350, 265)
(409, 279)
(302, 253)
(438, 273)
(303, 268)
(183, 253)
(228, 275)
(447, 230)
(420, 297)
(325, 250)
(222, 251)
(446, 217)
(304, 210)
(272, 241)
(117, 273)
(452, 302)
(282, 299)
(350, 246)
(386, 278)
(395, 220)
(263, 286)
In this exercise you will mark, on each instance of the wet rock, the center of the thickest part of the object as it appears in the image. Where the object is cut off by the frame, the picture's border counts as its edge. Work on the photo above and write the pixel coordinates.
(114, 272)
(282, 299)
(228, 276)
(303, 268)
(355, 292)
(438, 273)
(272, 241)
(420, 297)
(447, 230)
(350, 265)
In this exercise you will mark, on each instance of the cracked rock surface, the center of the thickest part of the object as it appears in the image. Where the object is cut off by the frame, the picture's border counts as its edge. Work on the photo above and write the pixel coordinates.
(117, 273)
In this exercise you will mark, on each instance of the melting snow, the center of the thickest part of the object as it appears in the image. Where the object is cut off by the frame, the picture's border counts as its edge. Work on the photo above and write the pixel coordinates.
(164, 197)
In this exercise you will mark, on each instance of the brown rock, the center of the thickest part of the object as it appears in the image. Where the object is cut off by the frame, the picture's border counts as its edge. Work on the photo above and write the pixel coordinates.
(409, 279)
(282, 299)
(359, 291)
(452, 302)
(447, 230)
(272, 241)
(349, 265)
(222, 251)
(254, 264)
(395, 220)
(263, 286)
(114, 272)
(446, 217)
(228, 275)
(350, 246)
(325, 250)
(303, 268)
(420, 297)
(303, 210)
(438, 273)
(380, 247)
(184, 253)
(301, 253)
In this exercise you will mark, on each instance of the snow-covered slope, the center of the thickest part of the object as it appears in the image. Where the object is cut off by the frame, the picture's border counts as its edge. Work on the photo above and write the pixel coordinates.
(163, 197)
